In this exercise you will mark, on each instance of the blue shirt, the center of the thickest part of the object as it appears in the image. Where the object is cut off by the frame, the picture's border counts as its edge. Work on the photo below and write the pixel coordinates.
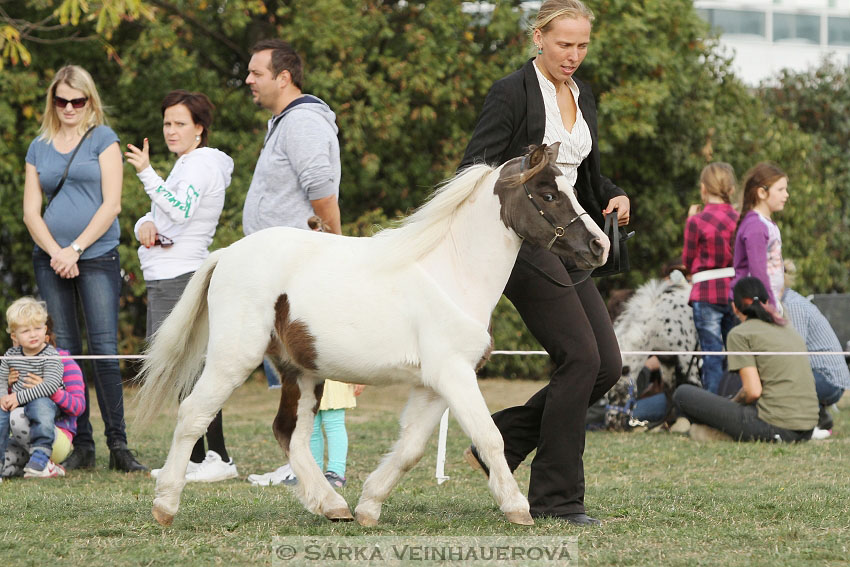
(81, 195)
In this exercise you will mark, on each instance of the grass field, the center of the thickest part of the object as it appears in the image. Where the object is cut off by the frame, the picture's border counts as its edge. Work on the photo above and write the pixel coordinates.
(664, 499)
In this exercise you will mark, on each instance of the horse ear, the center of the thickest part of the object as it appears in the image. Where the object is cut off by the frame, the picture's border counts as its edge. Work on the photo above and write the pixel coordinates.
(537, 155)
(552, 151)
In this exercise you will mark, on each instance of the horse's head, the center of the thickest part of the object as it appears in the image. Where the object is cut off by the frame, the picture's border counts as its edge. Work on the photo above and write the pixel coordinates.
(541, 207)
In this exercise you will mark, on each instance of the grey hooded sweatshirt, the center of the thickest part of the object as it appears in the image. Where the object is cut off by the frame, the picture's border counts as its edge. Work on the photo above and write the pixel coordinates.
(299, 163)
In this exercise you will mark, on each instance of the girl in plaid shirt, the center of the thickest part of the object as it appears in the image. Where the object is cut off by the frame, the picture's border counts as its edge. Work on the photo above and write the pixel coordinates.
(707, 254)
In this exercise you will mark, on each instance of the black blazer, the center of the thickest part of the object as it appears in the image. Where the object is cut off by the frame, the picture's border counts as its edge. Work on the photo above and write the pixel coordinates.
(513, 118)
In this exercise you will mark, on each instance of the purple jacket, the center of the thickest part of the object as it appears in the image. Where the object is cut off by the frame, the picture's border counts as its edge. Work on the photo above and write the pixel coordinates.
(758, 253)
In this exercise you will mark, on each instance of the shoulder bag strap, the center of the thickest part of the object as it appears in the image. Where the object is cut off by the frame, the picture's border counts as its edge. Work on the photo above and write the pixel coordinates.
(68, 167)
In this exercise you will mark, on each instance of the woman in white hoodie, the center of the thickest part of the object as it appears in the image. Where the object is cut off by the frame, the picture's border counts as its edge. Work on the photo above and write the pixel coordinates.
(177, 232)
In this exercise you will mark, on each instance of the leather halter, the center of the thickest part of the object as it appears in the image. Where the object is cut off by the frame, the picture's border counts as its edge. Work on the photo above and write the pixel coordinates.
(559, 230)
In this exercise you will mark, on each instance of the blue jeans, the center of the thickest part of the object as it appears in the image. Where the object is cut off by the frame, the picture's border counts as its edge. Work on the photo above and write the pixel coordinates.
(713, 323)
(272, 377)
(828, 393)
(651, 409)
(97, 288)
(41, 412)
(4, 433)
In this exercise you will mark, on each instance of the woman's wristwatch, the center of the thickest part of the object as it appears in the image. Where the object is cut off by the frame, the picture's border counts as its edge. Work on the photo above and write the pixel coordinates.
(76, 248)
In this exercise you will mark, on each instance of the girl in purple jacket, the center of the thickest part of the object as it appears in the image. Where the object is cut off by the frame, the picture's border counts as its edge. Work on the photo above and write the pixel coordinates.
(758, 244)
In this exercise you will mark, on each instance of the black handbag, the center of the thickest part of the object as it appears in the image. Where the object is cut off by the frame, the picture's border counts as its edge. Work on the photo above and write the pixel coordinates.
(618, 255)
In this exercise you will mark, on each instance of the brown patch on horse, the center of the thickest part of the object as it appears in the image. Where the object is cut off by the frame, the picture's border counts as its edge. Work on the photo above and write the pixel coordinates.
(287, 411)
(296, 337)
(522, 170)
(486, 356)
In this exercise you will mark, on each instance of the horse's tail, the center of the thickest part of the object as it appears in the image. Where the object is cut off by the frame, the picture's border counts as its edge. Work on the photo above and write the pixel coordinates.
(175, 356)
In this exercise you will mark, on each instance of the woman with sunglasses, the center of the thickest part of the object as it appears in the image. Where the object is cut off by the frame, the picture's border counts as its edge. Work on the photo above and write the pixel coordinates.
(76, 162)
(177, 232)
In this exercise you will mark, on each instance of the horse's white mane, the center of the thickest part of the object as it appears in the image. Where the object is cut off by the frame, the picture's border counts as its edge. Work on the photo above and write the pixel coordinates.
(429, 224)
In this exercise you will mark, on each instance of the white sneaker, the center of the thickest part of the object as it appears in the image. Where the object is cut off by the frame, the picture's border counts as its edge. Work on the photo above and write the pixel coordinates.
(190, 468)
(819, 434)
(50, 470)
(213, 469)
(281, 475)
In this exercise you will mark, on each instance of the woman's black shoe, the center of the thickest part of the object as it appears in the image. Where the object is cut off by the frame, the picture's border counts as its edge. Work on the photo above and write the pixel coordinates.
(80, 458)
(123, 459)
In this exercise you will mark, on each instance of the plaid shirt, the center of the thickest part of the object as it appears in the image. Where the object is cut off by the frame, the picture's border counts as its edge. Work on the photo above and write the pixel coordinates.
(708, 246)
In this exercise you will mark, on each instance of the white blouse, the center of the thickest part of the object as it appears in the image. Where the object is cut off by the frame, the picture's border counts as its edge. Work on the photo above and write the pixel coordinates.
(575, 145)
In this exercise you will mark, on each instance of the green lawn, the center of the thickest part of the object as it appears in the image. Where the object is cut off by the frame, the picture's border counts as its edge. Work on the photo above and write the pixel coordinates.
(664, 499)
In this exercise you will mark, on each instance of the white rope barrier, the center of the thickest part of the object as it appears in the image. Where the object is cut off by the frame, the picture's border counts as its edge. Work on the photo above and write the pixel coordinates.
(499, 352)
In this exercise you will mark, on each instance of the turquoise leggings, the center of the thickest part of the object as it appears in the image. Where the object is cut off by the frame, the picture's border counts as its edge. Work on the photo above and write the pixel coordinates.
(333, 421)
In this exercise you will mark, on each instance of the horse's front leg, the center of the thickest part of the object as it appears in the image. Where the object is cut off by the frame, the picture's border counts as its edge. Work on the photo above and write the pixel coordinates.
(215, 385)
(457, 383)
(419, 418)
(313, 489)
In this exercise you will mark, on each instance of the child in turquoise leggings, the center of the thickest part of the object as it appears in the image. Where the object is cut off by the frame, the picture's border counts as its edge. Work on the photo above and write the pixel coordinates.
(336, 398)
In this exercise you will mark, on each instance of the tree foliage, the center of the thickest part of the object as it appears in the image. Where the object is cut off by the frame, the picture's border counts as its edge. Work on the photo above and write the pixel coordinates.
(407, 80)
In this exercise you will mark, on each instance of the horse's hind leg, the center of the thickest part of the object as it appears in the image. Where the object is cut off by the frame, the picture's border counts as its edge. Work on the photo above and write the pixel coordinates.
(313, 489)
(457, 383)
(216, 384)
(421, 414)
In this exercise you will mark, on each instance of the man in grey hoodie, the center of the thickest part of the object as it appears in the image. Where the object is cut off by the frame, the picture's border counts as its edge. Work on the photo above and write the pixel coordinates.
(298, 172)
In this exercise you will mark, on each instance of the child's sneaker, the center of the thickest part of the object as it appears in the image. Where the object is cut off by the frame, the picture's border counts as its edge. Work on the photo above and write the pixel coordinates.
(213, 469)
(50, 470)
(335, 480)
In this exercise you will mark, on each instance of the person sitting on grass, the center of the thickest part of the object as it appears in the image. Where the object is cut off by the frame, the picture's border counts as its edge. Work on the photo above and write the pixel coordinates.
(27, 324)
(71, 401)
(777, 401)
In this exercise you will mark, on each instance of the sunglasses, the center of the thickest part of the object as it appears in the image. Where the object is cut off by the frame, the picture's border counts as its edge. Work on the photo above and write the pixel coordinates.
(163, 241)
(75, 102)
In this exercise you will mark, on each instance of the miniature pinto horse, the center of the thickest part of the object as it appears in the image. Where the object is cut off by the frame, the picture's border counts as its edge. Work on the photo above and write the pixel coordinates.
(411, 304)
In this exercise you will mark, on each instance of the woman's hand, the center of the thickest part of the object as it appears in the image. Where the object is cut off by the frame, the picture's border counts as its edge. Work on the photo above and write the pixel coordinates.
(358, 389)
(147, 234)
(64, 263)
(621, 203)
(140, 159)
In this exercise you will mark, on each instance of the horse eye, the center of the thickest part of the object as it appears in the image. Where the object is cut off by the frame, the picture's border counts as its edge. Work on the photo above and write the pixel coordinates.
(548, 197)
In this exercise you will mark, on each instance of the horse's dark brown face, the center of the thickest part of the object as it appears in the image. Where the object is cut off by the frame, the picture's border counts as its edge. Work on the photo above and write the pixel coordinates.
(564, 227)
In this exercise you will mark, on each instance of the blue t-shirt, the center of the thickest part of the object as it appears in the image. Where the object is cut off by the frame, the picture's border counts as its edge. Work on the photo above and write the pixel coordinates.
(81, 195)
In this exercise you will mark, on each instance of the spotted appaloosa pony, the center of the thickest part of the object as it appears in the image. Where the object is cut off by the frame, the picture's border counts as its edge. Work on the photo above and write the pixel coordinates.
(656, 318)
(411, 304)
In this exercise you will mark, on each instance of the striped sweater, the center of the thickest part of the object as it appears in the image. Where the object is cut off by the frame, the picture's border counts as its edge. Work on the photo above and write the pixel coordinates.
(71, 398)
(49, 369)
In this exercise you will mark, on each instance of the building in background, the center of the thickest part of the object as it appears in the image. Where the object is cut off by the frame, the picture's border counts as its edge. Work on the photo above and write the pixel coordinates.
(767, 36)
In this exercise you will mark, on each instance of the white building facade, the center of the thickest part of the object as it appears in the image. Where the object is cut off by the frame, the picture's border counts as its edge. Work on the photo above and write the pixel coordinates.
(767, 36)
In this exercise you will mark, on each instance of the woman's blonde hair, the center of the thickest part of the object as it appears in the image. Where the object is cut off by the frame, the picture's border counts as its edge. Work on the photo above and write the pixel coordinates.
(719, 180)
(551, 10)
(77, 78)
(24, 312)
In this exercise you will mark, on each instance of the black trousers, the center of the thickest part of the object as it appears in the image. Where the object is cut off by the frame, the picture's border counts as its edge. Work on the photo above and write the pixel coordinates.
(573, 325)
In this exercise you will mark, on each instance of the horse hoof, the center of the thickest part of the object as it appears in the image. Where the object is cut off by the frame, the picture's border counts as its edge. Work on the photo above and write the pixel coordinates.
(366, 521)
(520, 518)
(339, 515)
(162, 517)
